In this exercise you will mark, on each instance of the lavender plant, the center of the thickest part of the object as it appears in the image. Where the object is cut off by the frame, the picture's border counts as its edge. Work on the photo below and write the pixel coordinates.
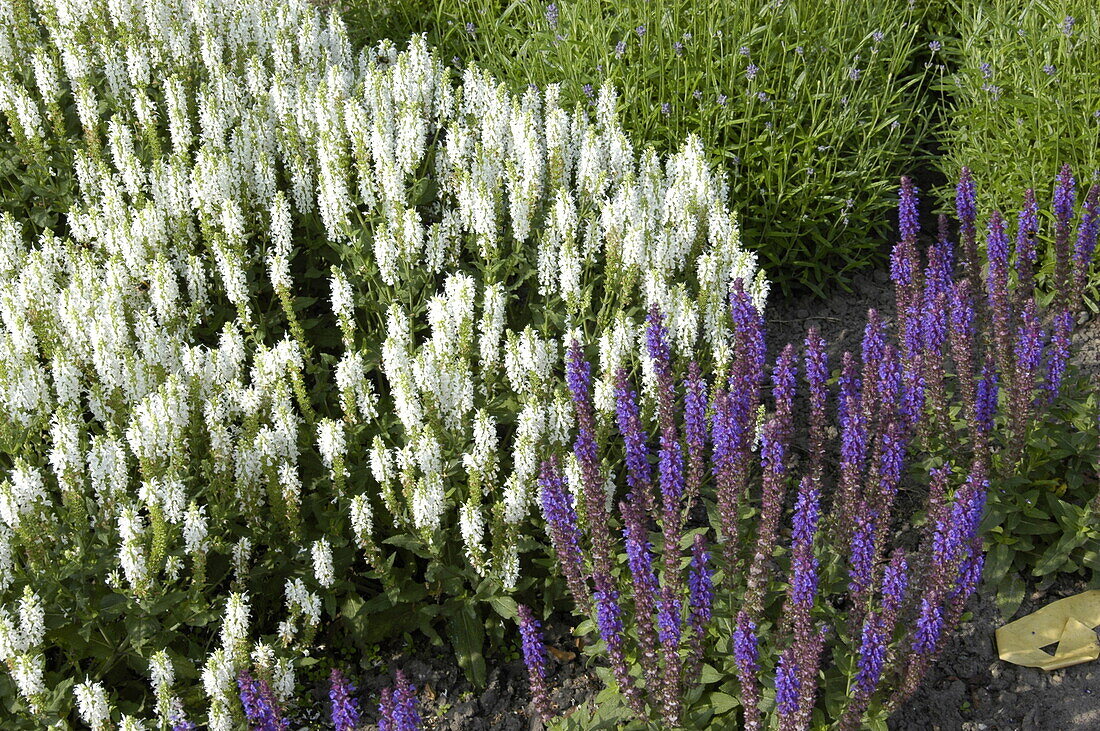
(834, 622)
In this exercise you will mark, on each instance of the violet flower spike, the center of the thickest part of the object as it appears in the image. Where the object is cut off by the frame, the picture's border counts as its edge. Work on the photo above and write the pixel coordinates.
(1027, 232)
(1064, 196)
(406, 717)
(1059, 353)
(345, 709)
(786, 687)
(997, 291)
(700, 602)
(966, 210)
(639, 559)
(561, 525)
(609, 622)
(638, 472)
(1086, 241)
(260, 706)
(536, 659)
(746, 657)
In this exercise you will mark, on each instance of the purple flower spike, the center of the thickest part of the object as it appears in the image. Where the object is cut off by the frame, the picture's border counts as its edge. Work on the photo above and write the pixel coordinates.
(1027, 233)
(700, 602)
(997, 290)
(862, 555)
(746, 656)
(987, 398)
(1086, 240)
(695, 431)
(609, 621)
(908, 216)
(406, 717)
(345, 709)
(929, 625)
(966, 209)
(786, 684)
(1059, 353)
(1064, 196)
(536, 659)
(561, 524)
(260, 706)
(638, 473)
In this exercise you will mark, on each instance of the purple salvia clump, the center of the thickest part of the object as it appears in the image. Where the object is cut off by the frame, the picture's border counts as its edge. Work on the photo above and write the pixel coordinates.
(1064, 196)
(908, 215)
(345, 708)
(1059, 353)
(536, 659)
(561, 525)
(895, 581)
(609, 622)
(997, 290)
(967, 212)
(701, 593)
(937, 291)
(961, 335)
(873, 352)
(638, 472)
(260, 706)
(903, 259)
(804, 567)
(746, 655)
(1027, 233)
(180, 722)
(1086, 241)
(874, 642)
(748, 329)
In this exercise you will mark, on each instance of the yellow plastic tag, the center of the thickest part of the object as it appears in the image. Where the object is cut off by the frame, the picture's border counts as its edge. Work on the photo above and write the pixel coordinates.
(1069, 622)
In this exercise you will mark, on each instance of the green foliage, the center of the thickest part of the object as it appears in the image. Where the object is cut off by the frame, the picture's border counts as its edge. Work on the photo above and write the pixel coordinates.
(811, 149)
(1008, 119)
(1041, 521)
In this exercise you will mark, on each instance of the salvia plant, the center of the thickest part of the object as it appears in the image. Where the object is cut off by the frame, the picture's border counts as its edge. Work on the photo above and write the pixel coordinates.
(735, 619)
(298, 325)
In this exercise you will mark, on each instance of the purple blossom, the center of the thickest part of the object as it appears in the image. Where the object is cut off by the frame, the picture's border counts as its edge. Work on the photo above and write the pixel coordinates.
(552, 15)
(997, 289)
(260, 706)
(1086, 240)
(345, 708)
(561, 525)
(746, 656)
(987, 398)
(877, 36)
(588, 91)
(640, 30)
(1067, 25)
(1027, 230)
(751, 71)
(1059, 353)
(786, 684)
(536, 659)
(872, 656)
(861, 561)
(620, 49)
(678, 48)
(1048, 69)
(908, 216)
(986, 69)
(638, 475)
(1064, 196)
(935, 46)
(666, 108)
(966, 210)
(854, 74)
(180, 722)
(894, 583)
(929, 625)
(699, 583)
(609, 621)
(404, 715)
(804, 564)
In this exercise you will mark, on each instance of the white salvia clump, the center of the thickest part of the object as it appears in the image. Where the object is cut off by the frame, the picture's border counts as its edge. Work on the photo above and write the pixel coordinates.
(492, 325)
(218, 677)
(380, 462)
(27, 670)
(322, 563)
(300, 601)
(20, 494)
(91, 701)
(509, 569)
(131, 723)
(6, 564)
(161, 673)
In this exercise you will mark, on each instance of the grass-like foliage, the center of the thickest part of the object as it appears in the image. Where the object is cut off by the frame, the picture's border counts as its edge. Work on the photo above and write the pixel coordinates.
(812, 105)
(1022, 96)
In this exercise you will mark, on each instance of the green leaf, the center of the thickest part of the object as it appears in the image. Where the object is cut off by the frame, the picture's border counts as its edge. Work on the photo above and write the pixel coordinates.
(1010, 595)
(710, 675)
(468, 640)
(505, 606)
(722, 702)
